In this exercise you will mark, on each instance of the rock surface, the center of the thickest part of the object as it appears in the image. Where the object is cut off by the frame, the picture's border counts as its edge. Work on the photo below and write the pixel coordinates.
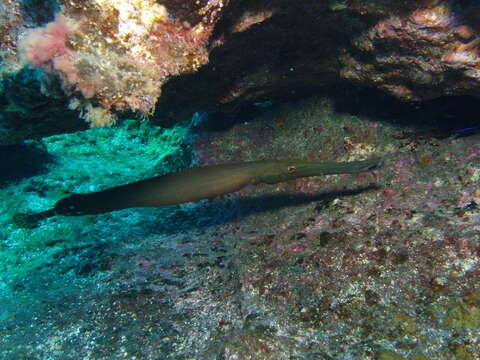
(381, 265)
(171, 58)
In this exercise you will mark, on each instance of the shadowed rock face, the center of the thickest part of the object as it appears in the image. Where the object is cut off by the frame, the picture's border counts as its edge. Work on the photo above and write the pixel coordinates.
(39, 12)
(225, 56)
(33, 105)
(275, 52)
(412, 50)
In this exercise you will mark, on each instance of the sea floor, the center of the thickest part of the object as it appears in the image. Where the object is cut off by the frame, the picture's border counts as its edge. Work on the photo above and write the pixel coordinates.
(381, 265)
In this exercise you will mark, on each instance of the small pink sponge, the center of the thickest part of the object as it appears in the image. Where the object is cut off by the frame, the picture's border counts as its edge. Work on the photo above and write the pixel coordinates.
(44, 44)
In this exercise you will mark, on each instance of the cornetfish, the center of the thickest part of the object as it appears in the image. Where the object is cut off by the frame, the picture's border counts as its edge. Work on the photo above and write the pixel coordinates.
(195, 184)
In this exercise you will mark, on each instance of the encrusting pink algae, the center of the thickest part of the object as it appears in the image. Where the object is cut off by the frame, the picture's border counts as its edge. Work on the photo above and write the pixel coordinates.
(118, 52)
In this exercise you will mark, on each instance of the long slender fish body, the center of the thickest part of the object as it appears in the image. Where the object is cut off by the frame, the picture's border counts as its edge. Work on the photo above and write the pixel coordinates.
(183, 186)
(194, 184)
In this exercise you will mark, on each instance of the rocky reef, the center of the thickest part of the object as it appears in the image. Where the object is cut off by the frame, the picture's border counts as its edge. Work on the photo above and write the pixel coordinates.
(168, 59)
(382, 265)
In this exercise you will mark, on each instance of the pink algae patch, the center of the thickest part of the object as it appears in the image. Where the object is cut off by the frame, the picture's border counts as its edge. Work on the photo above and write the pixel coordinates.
(43, 45)
(46, 47)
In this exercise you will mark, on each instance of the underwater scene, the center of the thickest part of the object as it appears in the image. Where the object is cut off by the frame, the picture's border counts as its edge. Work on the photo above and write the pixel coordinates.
(239, 180)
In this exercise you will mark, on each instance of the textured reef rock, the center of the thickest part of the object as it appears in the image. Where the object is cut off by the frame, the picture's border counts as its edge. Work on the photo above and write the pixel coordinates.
(413, 50)
(109, 56)
(382, 265)
(35, 106)
(172, 58)
(426, 53)
(118, 52)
